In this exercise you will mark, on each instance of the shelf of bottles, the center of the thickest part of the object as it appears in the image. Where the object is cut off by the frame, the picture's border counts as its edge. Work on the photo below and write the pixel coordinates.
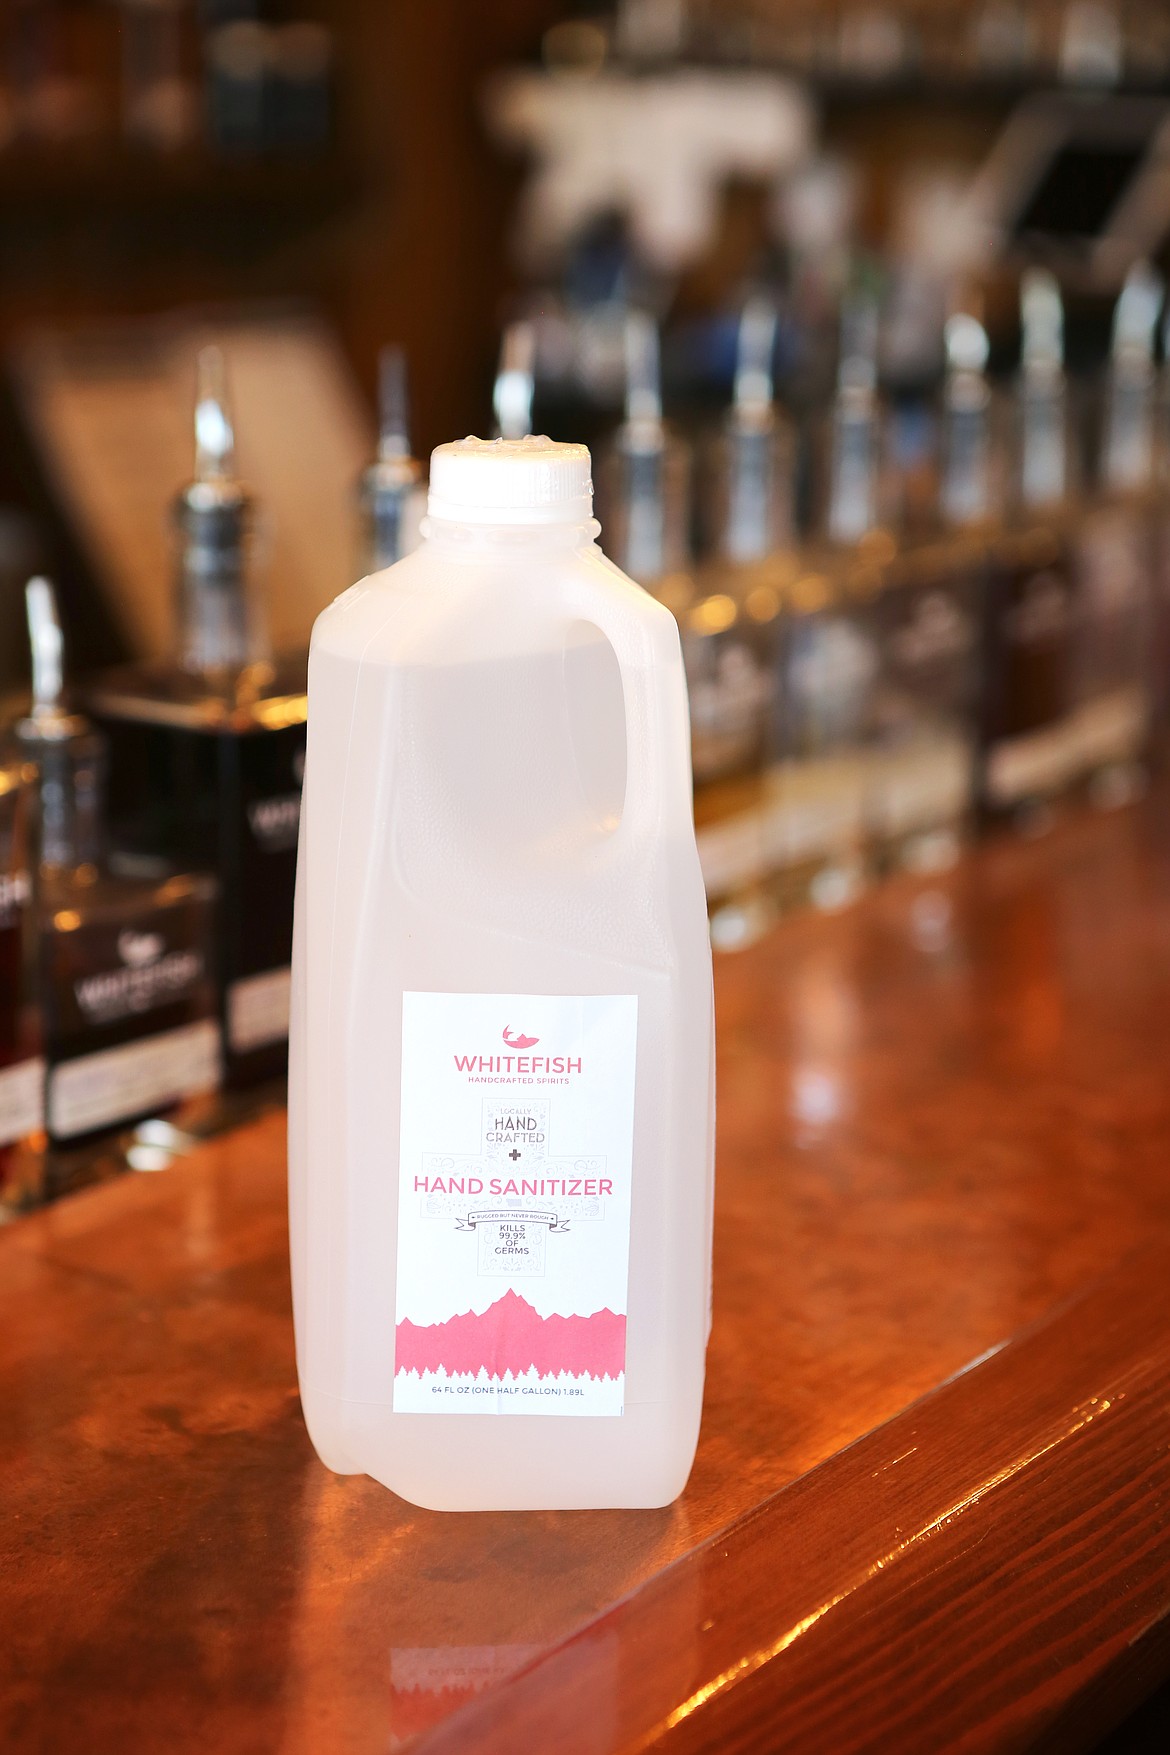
(185, 82)
(972, 632)
(870, 685)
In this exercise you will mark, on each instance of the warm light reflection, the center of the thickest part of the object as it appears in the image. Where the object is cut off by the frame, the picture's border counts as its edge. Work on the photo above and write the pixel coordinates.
(747, 1665)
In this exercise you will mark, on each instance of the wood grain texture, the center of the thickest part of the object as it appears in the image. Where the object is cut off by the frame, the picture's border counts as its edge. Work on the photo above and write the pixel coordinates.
(943, 1116)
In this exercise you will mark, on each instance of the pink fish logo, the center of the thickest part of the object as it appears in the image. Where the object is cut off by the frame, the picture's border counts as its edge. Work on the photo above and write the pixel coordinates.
(519, 1041)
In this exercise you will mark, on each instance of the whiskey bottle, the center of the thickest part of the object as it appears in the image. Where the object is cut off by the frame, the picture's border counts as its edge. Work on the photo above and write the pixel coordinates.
(930, 618)
(1115, 560)
(125, 965)
(829, 653)
(1028, 755)
(393, 498)
(207, 750)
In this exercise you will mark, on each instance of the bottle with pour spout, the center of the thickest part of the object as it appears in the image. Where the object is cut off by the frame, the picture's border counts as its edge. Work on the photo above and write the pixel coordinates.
(501, 1096)
(207, 746)
(125, 963)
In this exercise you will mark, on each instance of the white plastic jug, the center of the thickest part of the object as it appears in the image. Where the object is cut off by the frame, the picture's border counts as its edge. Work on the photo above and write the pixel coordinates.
(501, 1106)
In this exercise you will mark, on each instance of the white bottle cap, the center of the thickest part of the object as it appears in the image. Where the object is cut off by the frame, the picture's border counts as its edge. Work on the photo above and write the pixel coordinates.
(510, 481)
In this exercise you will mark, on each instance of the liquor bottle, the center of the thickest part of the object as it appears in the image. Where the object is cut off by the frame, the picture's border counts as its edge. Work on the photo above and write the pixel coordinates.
(392, 492)
(515, 385)
(1115, 563)
(1159, 668)
(830, 652)
(1028, 745)
(930, 618)
(646, 480)
(22, 1067)
(731, 636)
(648, 533)
(207, 751)
(125, 964)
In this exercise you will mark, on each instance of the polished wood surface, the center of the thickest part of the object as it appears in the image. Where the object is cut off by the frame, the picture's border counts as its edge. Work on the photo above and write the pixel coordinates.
(944, 1149)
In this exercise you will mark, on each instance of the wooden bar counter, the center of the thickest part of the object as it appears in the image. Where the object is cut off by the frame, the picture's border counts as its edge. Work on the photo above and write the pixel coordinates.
(931, 1506)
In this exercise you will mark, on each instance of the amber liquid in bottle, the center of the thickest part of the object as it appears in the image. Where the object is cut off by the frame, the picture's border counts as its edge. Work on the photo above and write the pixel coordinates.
(125, 965)
(22, 1070)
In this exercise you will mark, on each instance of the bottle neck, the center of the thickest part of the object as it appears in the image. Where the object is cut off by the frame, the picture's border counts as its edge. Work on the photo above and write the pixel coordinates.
(1127, 463)
(1044, 438)
(71, 766)
(759, 512)
(466, 540)
(214, 535)
(853, 496)
(966, 487)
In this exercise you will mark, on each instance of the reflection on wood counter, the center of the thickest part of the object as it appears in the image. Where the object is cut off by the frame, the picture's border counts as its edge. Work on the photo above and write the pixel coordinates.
(944, 1120)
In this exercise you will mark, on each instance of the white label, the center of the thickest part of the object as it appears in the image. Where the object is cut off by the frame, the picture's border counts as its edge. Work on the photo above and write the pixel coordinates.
(22, 1100)
(100, 1090)
(818, 809)
(1032, 765)
(1110, 729)
(257, 1010)
(515, 1167)
(924, 783)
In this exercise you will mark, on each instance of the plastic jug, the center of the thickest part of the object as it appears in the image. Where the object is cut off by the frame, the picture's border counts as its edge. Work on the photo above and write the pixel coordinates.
(501, 1106)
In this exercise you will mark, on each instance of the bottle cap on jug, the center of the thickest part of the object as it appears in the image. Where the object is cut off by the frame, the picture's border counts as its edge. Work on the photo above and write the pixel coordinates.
(510, 481)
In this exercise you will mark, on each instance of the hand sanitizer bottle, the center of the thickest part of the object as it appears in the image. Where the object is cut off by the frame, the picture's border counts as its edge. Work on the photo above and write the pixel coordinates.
(501, 1096)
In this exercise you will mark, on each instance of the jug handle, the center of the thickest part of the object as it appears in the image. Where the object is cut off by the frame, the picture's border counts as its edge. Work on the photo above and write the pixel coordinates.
(645, 640)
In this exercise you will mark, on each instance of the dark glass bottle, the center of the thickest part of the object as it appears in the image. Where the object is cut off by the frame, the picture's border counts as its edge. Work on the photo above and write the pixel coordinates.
(125, 965)
(731, 636)
(22, 1068)
(1115, 563)
(930, 618)
(830, 652)
(207, 751)
(1028, 756)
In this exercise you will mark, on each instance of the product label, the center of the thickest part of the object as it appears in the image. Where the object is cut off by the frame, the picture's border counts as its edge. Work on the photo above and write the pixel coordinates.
(925, 782)
(147, 976)
(103, 1089)
(257, 1010)
(22, 1100)
(1033, 765)
(515, 1167)
(15, 891)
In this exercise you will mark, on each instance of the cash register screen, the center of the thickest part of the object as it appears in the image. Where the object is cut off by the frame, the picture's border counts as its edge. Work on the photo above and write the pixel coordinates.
(1079, 190)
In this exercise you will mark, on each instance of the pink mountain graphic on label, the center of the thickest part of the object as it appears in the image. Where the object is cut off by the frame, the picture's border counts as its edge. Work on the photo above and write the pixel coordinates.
(511, 1336)
(519, 1041)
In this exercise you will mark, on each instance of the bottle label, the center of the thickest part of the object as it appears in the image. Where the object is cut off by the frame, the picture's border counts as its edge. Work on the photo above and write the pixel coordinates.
(115, 1084)
(257, 1010)
(22, 1100)
(515, 1167)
